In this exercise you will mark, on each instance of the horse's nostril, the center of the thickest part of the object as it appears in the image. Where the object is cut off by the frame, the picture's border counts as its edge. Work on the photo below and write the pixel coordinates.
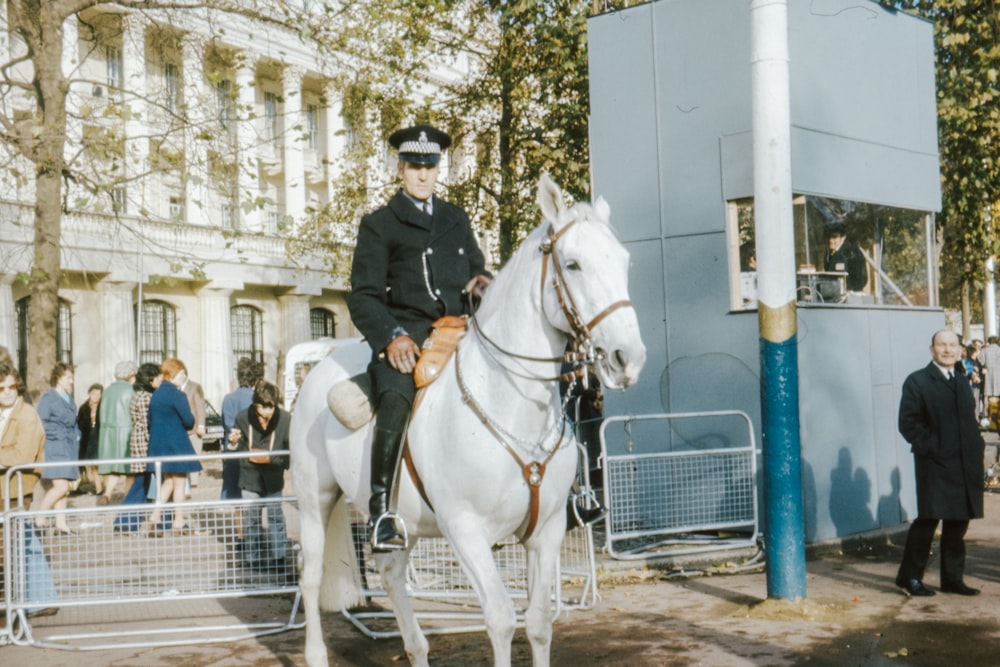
(620, 359)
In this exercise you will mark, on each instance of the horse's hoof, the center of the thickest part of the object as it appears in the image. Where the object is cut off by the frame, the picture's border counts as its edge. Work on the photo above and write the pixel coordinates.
(317, 657)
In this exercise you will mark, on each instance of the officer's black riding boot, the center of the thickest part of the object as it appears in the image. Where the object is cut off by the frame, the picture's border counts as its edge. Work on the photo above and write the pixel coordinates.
(385, 449)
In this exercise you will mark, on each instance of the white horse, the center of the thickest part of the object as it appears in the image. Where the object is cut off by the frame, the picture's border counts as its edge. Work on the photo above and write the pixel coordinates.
(488, 440)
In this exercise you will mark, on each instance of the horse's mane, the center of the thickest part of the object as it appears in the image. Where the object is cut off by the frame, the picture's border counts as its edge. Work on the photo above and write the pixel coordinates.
(526, 259)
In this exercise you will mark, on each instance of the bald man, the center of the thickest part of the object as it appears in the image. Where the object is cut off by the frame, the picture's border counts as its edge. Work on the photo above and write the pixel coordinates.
(937, 416)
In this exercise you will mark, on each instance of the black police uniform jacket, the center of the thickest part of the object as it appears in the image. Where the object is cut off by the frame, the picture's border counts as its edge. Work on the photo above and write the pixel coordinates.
(848, 258)
(938, 419)
(410, 268)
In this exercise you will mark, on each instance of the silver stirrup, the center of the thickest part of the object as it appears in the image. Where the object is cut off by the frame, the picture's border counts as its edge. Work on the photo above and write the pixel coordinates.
(384, 546)
(589, 498)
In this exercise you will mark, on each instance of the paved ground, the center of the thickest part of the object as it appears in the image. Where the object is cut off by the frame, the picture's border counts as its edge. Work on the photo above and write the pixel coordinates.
(853, 616)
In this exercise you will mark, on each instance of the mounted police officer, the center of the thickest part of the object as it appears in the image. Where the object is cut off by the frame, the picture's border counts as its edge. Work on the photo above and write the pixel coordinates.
(415, 261)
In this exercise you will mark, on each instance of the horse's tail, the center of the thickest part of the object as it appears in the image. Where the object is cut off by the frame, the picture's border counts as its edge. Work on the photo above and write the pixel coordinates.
(342, 587)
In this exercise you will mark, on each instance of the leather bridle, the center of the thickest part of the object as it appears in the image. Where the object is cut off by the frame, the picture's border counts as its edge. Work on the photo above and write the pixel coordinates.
(581, 353)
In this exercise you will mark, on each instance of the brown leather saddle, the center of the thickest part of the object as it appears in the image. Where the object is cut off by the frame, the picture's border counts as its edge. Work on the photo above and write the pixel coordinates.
(350, 400)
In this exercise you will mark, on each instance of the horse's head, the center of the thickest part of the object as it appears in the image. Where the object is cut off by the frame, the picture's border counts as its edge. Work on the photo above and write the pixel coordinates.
(585, 286)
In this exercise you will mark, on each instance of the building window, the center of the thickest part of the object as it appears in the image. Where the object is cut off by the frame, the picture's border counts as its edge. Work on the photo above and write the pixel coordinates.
(157, 331)
(229, 215)
(312, 126)
(247, 328)
(846, 252)
(113, 57)
(64, 333)
(271, 117)
(273, 220)
(350, 137)
(176, 208)
(322, 323)
(171, 85)
(224, 102)
(119, 199)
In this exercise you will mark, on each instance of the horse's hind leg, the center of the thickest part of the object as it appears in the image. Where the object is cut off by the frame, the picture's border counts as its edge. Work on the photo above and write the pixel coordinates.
(392, 569)
(543, 561)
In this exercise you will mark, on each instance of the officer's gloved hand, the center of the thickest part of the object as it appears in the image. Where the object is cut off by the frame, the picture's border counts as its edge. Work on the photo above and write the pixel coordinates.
(402, 354)
(477, 286)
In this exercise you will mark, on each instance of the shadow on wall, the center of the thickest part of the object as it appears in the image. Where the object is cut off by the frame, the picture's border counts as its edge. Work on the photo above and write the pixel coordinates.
(850, 496)
(890, 509)
(850, 492)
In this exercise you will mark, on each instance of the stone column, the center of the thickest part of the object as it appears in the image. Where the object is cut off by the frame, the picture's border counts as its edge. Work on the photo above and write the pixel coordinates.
(78, 93)
(136, 133)
(195, 106)
(295, 324)
(335, 144)
(216, 343)
(291, 137)
(246, 141)
(117, 326)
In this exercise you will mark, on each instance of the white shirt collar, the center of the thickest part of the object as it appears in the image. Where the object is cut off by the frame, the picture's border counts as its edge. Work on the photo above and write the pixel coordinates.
(944, 371)
(429, 202)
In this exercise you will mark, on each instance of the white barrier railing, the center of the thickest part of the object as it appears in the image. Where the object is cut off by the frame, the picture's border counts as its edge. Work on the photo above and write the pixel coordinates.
(110, 583)
(685, 483)
(443, 597)
(106, 579)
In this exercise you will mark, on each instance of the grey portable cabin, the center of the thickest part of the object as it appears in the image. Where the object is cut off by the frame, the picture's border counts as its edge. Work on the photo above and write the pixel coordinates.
(672, 153)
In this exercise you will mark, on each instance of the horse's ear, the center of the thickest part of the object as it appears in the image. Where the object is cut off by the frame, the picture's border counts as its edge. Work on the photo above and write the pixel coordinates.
(602, 210)
(550, 200)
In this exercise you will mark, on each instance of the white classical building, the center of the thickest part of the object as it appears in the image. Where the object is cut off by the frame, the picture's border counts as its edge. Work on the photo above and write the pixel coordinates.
(186, 254)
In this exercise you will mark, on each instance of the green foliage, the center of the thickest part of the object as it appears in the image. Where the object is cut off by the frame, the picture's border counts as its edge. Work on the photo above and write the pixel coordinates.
(524, 110)
(532, 92)
(968, 63)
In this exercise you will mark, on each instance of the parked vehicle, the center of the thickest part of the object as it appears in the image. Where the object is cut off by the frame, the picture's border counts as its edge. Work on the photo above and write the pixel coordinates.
(300, 360)
(212, 439)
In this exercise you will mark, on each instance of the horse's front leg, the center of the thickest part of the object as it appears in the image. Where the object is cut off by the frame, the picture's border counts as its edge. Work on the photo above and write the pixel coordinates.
(543, 568)
(392, 569)
(315, 505)
(475, 553)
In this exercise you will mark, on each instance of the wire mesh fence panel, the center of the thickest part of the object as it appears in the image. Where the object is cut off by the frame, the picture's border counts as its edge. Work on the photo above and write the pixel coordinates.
(443, 596)
(99, 565)
(683, 493)
(109, 571)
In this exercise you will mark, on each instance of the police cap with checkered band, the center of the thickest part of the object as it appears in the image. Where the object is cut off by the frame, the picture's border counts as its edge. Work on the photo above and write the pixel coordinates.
(420, 144)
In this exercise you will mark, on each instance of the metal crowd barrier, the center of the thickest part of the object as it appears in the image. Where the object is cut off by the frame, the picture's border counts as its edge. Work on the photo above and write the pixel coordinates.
(680, 483)
(109, 582)
(443, 598)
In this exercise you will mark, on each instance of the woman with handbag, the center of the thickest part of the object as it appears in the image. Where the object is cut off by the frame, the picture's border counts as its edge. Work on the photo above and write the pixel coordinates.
(263, 429)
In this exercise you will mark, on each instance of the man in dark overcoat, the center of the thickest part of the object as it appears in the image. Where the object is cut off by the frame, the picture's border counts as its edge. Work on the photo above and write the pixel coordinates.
(937, 416)
(416, 260)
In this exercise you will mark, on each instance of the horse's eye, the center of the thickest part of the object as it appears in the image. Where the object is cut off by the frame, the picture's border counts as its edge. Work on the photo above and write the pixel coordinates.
(573, 265)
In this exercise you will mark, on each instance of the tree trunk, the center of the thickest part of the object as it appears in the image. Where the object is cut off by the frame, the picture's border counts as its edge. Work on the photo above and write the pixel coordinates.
(508, 191)
(45, 39)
